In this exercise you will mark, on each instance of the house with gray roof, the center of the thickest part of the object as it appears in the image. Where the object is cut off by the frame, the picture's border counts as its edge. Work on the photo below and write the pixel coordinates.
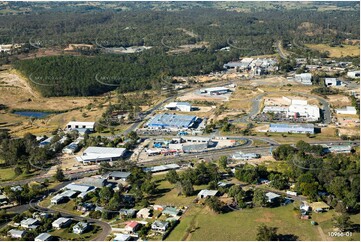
(43, 237)
(207, 193)
(119, 175)
(61, 223)
(29, 223)
(80, 227)
(16, 234)
(171, 211)
(160, 225)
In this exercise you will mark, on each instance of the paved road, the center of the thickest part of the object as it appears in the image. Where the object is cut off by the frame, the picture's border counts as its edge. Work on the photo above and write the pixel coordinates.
(215, 154)
(280, 50)
(106, 228)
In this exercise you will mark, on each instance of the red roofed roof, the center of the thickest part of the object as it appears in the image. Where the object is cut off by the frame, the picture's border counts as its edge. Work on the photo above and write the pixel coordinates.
(132, 224)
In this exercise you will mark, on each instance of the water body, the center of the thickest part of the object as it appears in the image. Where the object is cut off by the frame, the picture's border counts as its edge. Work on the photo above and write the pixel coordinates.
(33, 114)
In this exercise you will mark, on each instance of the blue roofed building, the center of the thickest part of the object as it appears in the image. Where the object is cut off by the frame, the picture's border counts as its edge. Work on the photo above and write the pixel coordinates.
(292, 128)
(171, 121)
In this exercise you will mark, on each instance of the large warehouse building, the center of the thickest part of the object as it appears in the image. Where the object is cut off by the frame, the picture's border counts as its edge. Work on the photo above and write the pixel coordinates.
(97, 154)
(215, 90)
(292, 128)
(171, 121)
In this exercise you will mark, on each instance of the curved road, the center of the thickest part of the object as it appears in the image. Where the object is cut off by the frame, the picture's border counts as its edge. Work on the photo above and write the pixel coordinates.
(106, 228)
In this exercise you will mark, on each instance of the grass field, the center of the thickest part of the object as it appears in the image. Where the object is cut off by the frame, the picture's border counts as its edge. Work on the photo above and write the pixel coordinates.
(7, 174)
(201, 224)
(65, 234)
(346, 50)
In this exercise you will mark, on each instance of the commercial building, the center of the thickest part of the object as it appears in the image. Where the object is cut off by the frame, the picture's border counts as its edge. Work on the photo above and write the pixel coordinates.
(97, 154)
(247, 156)
(81, 127)
(304, 78)
(215, 90)
(179, 106)
(161, 168)
(171, 121)
(309, 112)
(338, 149)
(92, 182)
(119, 175)
(347, 110)
(292, 128)
(333, 82)
(275, 109)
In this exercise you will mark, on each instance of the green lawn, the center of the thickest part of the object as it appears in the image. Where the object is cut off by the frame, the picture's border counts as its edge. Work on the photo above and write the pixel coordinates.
(67, 234)
(168, 194)
(8, 174)
(67, 207)
(202, 224)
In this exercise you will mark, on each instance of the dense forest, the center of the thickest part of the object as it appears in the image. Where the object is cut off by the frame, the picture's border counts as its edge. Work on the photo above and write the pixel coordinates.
(80, 75)
(247, 33)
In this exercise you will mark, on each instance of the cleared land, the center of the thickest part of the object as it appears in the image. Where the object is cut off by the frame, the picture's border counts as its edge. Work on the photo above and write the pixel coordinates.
(346, 50)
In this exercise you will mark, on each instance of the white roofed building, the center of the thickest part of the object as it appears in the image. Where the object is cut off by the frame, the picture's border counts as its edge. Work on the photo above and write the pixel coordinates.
(97, 154)
(179, 106)
(304, 78)
(347, 110)
(81, 127)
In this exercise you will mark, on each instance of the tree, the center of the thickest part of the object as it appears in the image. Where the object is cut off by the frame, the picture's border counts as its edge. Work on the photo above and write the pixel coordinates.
(186, 187)
(342, 222)
(278, 181)
(18, 171)
(214, 203)
(105, 194)
(259, 198)
(222, 162)
(172, 176)
(59, 175)
(265, 233)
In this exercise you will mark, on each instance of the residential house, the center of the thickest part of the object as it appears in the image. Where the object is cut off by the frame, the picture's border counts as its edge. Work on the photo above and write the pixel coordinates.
(160, 225)
(80, 227)
(61, 223)
(122, 237)
(16, 234)
(132, 226)
(207, 193)
(29, 223)
(272, 197)
(129, 213)
(144, 213)
(171, 211)
(43, 237)
(319, 207)
(86, 207)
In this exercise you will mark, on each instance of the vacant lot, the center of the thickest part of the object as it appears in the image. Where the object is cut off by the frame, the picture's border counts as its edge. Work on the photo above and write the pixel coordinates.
(346, 50)
(201, 224)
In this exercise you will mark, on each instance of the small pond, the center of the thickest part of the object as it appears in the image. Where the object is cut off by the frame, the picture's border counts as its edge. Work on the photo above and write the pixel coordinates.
(32, 114)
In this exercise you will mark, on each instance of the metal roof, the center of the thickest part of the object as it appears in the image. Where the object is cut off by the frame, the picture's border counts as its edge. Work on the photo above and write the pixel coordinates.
(43, 236)
(172, 120)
